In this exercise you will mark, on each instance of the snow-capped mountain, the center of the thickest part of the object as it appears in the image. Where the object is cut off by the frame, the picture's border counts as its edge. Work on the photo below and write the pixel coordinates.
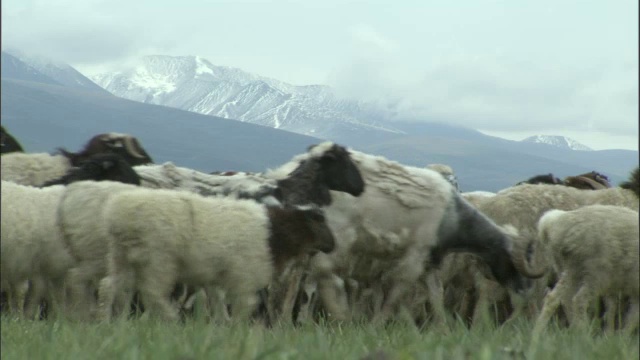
(195, 84)
(558, 141)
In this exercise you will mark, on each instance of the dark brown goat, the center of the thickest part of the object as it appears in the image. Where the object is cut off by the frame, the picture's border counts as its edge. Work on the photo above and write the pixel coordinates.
(124, 145)
(8, 142)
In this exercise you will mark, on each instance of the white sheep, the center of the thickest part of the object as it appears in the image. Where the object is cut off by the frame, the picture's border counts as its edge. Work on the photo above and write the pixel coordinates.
(37, 168)
(79, 213)
(163, 237)
(595, 249)
(32, 247)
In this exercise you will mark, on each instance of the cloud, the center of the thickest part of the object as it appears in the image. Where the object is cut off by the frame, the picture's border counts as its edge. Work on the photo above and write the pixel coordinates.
(499, 94)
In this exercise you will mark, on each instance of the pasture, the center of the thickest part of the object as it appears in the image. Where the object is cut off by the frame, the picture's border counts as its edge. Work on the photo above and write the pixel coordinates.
(197, 339)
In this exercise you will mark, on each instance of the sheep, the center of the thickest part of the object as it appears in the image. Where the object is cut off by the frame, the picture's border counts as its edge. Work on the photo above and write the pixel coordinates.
(36, 247)
(422, 218)
(304, 181)
(8, 143)
(79, 211)
(447, 172)
(37, 168)
(595, 249)
(31, 247)
(522, 206)
(162, 237)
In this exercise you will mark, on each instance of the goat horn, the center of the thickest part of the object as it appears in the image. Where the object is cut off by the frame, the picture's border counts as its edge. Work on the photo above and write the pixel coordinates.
(594, 184)
(132, 148)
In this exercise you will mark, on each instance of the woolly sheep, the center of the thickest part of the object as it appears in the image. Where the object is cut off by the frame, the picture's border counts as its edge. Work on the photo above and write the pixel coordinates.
(37, 168)
(420, 211)
(163, 237)
(80, 209)
(595, 249)
(522, 206)
(35, 248)
(31, 245)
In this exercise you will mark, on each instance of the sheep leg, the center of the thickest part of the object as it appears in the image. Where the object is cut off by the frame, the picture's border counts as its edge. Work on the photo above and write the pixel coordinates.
(551, 303)
(580, 303)
(290, 295)
(34, 298)
(611, 310)
(155, 283)
(17, 295)
(216, 304)
(244, 302)
(333, 296)
(81, 294)
(405, 274)
(435, 292)
(632, 318)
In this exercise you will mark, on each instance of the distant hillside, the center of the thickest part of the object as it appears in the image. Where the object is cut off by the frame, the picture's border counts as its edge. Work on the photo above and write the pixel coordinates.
(44, 117)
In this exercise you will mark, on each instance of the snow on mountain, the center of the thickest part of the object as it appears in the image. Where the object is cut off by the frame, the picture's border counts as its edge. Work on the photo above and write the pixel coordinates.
(558, 141)
(195, 84)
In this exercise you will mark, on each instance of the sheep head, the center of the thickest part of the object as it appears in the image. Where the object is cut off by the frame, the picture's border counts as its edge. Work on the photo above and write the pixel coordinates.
(296, 231)
(337, 169)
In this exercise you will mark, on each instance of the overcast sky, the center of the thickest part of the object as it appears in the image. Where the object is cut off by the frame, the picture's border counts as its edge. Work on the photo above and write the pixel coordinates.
(509, 68)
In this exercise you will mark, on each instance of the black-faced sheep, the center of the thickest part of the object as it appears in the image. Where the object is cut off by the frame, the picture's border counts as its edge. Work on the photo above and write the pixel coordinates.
(407, 218)
(595, 251)
(164, 237)
(8, 143)
(37, 168)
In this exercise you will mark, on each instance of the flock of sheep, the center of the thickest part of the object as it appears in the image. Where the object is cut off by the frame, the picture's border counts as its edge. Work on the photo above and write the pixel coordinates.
(332, 234)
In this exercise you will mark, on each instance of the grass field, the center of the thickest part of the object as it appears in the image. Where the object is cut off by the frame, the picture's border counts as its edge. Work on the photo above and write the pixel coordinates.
(146, 339)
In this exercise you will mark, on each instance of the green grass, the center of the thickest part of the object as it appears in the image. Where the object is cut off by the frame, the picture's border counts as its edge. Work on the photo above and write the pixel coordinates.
(146, 339)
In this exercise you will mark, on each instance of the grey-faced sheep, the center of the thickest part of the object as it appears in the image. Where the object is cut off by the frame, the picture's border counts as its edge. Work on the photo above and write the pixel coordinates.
(595, 251)
(8, 143)
(164, 237)
(37, 168)
(522, 206)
